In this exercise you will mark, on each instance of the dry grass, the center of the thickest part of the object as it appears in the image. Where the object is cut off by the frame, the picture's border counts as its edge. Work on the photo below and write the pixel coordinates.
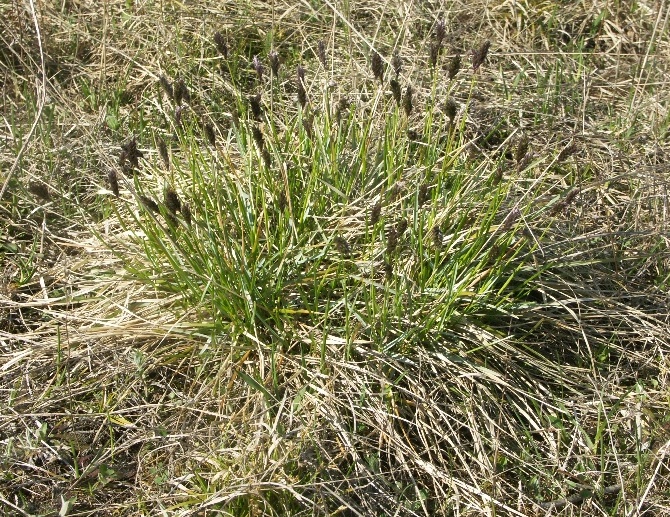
(120, 397)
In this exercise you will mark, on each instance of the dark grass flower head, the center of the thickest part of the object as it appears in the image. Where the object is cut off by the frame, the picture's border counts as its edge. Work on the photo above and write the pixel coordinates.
(186, 213)
(572, 195)
(388, 269)
(149, 204)
(525, 162)
(302, 92)
(498, 174)
(130, 153)
(396, 63)
(401, 226)
(178, 111)
(511, 218)
(472, 150)
(407, 100)
(568, 151)
(342, 106)
(440, 32)
(375, 213)
(413, 135)
(454, 66)
(221, 44)
(208, 129)
(391, 240)
(282, 202)
(321, 53)
(450, 110)
(258, 137)
(342, 246)
(167, 87)
(567, 201)
(396, 191)
(396, 91)
(434, 53)
(267, 157)
(172, 201)
(423, 194)
(163, 152)
(258, 67)
(438, 237)
(40, 190)
(113, 181)
(479, 55)
(181, 93)
(273, 57)
(255, 103)
(521, 149)
(377, 65)
(308, 125)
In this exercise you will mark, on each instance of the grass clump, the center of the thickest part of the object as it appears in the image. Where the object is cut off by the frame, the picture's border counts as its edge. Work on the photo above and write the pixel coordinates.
(260, 277)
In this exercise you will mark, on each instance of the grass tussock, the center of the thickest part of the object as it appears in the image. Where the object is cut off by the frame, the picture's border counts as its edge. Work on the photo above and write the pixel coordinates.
(334, 260)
